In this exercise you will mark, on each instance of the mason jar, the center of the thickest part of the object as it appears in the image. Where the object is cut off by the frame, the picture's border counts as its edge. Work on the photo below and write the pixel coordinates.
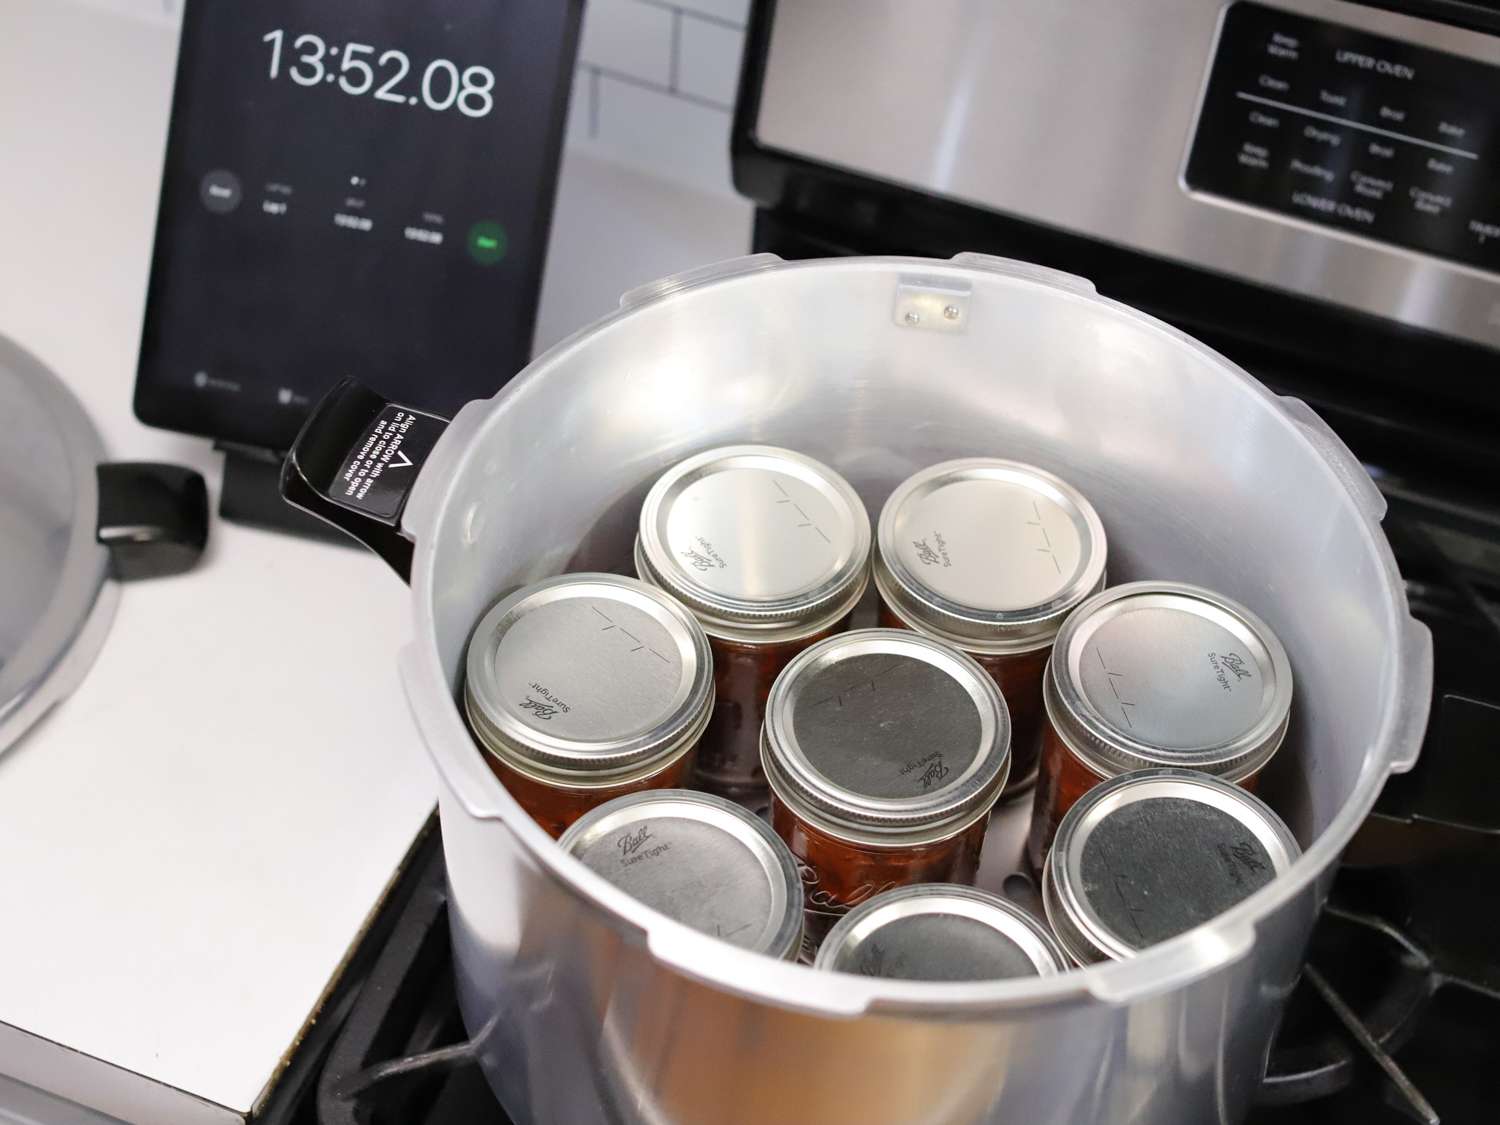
(1148, 855)
(699, 859)
(885, 751)
(1157, 674)
(941, 931)
(770, 551)
(991, 556)
(586, 687)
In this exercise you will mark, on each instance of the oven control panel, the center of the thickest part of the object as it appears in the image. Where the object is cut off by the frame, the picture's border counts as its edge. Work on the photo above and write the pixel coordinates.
(1355, 131)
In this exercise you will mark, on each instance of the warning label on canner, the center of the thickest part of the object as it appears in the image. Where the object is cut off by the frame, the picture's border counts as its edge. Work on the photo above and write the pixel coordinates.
(381, 468)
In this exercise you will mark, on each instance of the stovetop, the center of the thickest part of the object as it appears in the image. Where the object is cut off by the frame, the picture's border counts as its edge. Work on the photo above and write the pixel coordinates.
(1396, 1018)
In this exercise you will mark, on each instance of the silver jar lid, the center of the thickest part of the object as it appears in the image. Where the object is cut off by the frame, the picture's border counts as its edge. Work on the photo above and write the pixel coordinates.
(699, 859)
(941, 931)
(760, 543)
(1148, 855)
(588, 679)
(989, 555)
(1167, 674)
(887, 735)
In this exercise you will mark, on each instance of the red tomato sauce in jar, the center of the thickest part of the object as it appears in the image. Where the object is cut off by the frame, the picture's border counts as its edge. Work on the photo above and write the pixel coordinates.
(991, 556)
(1156, 674)
(770, 551)
(743, 675)
(557, 806)
(838, 875)
(584, 688)
(885, 752)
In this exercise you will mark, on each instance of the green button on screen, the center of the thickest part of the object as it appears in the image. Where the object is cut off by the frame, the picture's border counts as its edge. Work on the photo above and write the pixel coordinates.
(487, 242)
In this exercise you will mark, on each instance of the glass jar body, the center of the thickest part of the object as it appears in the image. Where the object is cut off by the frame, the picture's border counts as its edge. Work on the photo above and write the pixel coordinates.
(555, 806)
(1018, 675)
(729, 751)
(1062, 778)
(839, 874)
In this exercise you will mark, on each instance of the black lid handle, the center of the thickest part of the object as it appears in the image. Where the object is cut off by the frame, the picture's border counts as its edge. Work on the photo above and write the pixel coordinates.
(153, 518)
(354, 464)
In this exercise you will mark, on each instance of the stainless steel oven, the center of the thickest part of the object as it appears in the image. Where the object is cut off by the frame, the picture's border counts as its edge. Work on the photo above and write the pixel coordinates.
(1312, 186)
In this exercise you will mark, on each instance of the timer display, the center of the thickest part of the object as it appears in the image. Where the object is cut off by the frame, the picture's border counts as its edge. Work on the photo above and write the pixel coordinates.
(352, 187)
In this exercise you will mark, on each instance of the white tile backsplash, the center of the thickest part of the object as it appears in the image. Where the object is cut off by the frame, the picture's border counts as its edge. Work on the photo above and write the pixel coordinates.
(656, 84)
(628, 37)
(674, 139)
(708, 60)
(734, 11)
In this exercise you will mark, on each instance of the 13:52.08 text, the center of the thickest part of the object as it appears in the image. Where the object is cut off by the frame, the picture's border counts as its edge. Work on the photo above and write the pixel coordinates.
(443, 85)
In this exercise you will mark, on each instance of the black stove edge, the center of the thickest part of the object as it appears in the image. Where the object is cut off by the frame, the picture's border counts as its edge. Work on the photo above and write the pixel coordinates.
(290, 1091)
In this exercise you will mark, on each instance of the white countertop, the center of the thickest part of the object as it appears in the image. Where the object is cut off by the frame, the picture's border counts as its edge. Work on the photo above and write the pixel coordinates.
(194, 839)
